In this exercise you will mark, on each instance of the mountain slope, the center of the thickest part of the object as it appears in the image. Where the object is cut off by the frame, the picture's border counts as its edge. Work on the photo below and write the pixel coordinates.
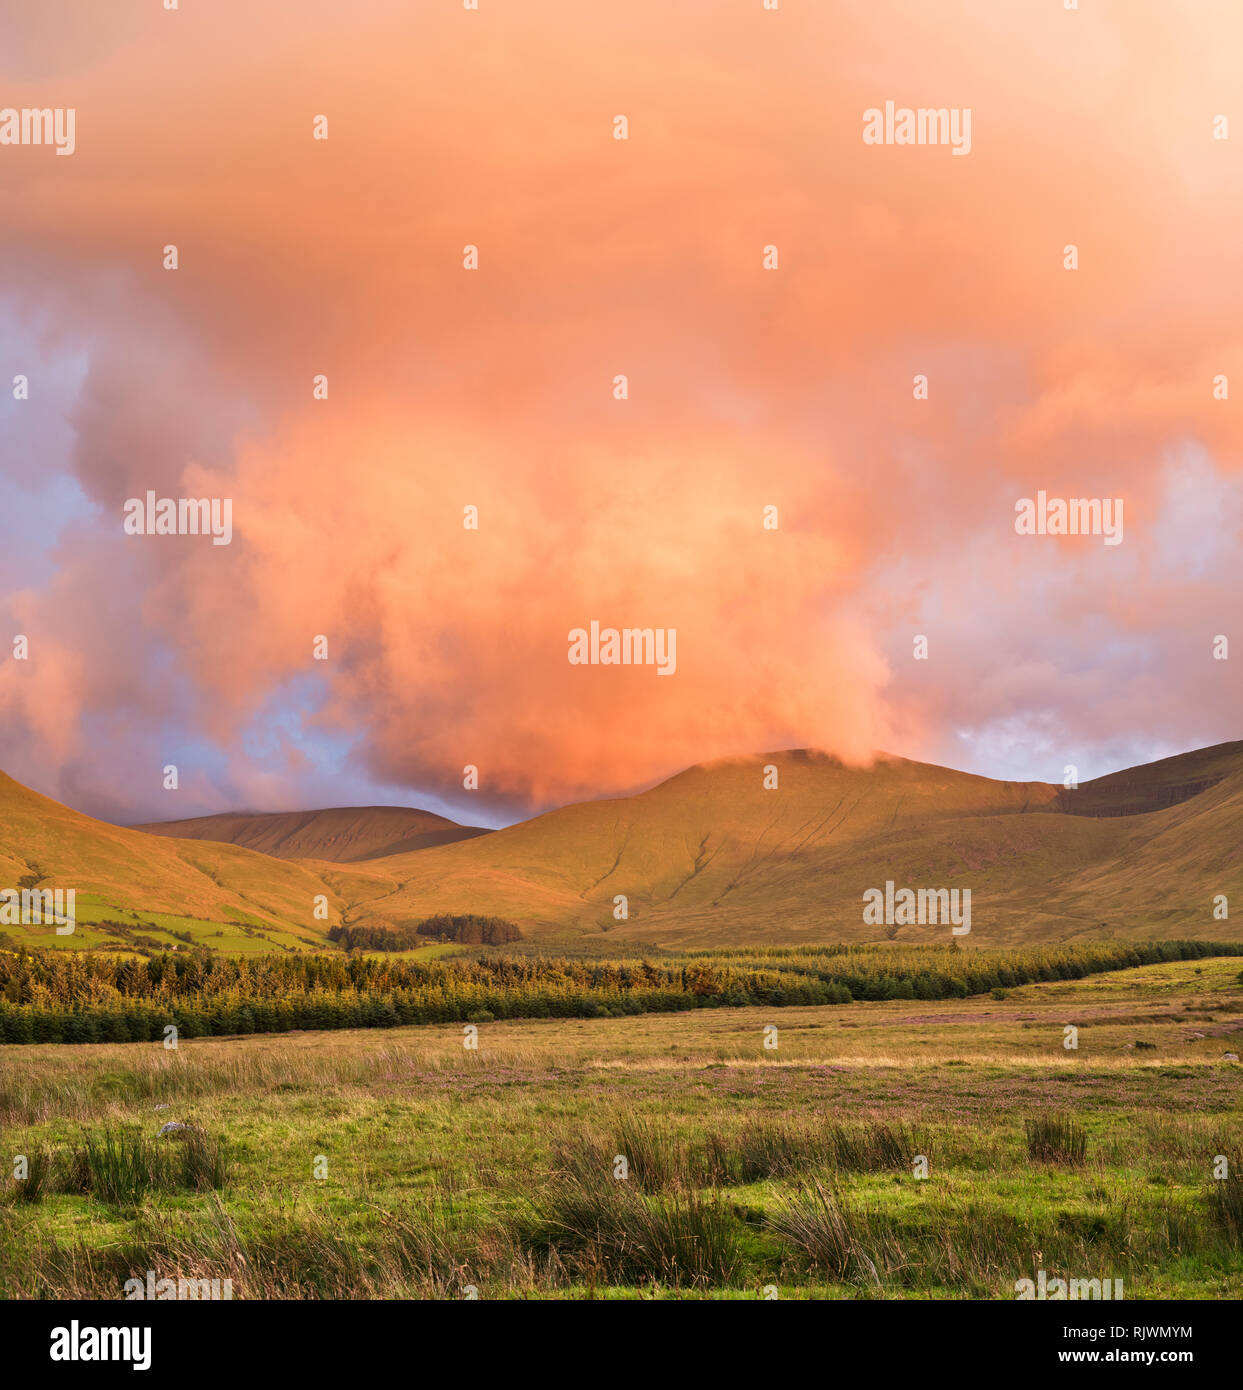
(342, 834)
(152, 886)
(714, 857)
(723, 853)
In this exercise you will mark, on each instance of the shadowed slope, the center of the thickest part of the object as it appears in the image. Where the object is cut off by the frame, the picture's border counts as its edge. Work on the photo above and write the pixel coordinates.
(342, 834)
(1154, 786)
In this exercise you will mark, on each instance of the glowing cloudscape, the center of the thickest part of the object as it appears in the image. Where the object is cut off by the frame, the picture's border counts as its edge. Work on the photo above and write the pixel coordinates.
(493, 388)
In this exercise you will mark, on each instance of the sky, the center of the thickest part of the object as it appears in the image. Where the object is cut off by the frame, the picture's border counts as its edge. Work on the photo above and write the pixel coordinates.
(748, 387)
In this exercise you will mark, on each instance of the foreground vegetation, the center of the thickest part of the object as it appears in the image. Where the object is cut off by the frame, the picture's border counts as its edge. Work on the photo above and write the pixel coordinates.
(89, 998)
(404, 1164)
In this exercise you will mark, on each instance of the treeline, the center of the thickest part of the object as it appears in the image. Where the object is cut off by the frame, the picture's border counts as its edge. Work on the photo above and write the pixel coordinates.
(874, 971)
(56, 996)
(466, 930)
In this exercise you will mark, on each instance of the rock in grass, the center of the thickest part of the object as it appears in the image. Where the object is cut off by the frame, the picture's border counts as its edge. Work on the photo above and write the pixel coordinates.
(176, 1130)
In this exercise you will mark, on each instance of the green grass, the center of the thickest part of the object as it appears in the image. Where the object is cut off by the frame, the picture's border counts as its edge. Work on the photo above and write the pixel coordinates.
(123, 1167)
(1055, 1139)
(448, 1169)
(102, 923)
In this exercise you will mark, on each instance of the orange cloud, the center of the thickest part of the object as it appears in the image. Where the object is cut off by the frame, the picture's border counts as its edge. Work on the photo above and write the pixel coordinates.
(643, 257)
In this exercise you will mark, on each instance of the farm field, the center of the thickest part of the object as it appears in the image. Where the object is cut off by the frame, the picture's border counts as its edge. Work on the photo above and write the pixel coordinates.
(750, 1172)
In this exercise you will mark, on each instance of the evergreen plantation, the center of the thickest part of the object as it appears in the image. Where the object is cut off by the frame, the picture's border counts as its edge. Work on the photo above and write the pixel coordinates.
(48, 996)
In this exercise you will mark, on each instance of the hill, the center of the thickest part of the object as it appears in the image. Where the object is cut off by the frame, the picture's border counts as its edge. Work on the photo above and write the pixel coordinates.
(713, 857)
(342, 834)
(153, 888)
(722, 854)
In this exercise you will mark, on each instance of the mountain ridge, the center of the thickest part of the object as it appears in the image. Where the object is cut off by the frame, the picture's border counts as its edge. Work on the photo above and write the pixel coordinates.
(340, 834)
(774, 847)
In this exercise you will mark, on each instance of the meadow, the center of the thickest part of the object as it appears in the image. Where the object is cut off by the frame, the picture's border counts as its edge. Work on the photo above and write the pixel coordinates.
(401, 1162)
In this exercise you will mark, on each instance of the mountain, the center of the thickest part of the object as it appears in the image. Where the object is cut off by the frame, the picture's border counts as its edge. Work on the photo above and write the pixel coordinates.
(714, 857)
(1154, 786)
(342, 834)
(229, 897)
(778, 848)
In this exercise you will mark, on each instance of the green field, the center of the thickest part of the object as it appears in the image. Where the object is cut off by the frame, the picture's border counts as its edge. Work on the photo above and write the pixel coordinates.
(447, 1170)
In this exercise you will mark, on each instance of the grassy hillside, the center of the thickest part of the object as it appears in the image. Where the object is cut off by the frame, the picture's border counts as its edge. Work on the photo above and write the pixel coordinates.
(713, 857)
(159, 889)
(705, 841)
(341, 834)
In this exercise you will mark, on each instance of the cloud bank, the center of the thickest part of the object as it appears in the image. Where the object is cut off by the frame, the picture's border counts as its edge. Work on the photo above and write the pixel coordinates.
(748, 388)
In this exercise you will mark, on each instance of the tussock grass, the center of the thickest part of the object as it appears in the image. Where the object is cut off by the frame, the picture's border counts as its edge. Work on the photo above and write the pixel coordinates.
(608, 1230)
(118, 1167)
(34, 1186)
(772, 1149)
(1055, 1139)
(124, 1167)
(815, 1223)
(1227, 1205)
(656, 1158)
(204, 1164)
(1179, 1229)
(872, 1147)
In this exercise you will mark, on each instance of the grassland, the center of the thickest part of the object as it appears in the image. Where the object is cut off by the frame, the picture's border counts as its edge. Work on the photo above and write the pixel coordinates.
(449, 1169)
